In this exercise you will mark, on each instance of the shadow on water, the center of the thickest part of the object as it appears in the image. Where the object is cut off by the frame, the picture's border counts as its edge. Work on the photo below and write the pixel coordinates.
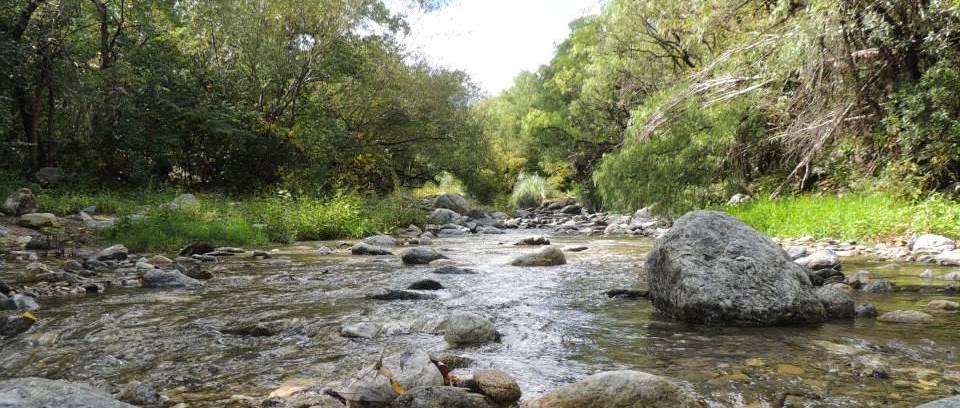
(557, 327)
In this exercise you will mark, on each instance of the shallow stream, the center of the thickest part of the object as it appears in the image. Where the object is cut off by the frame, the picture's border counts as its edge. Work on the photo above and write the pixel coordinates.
(556, 323)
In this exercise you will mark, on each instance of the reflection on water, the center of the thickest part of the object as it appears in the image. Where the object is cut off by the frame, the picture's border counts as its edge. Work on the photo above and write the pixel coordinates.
(557, 327)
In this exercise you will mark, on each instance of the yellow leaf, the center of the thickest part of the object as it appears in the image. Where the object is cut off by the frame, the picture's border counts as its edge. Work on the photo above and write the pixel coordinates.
(29, 316)
(397, 387)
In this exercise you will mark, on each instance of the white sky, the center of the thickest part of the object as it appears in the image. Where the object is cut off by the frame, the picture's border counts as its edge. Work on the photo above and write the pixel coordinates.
(492, 40)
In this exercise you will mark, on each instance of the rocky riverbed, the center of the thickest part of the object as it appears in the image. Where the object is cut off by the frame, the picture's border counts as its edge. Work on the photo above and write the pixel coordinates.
(284, 326)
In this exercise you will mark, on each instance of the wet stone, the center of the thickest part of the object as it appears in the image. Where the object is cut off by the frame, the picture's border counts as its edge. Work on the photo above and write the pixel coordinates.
(392, 294)
(497, 385)
(627, 294)
(425, 284)
(454, 270)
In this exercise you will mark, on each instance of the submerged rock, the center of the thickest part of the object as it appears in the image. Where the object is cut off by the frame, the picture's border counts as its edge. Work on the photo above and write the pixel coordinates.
(392, 294)
(712, 268)
(454, 270)
(624, 389)
(160, 279)
(867, 311)
(462, 328)
(906, 316)
(838, 304)
(627, 294)
(367, 249)
(943, 305)
(549, 256)
(363, 330)
(410, 368)
(33, 392)
(420, 255)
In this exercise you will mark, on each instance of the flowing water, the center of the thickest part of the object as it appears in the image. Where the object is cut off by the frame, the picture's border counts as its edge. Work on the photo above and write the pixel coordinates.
(557, 326)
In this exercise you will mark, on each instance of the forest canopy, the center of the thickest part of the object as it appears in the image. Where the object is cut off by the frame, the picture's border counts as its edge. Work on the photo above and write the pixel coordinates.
(677, 104)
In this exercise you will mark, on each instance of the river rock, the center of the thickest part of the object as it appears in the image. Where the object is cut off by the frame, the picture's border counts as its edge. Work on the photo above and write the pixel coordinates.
(820, 259)
(49, 176)
(181, 201)
(906, 316)
(18, 301)
(932, 244)
(113, 253)
(878, 286)
(497, 385)
(927, 274)
(381, 241)
(420, 255)
(40, 242)
(425, 284)
(796, 252)
(949, 402)
(627, 294)
(738, 199)
(141, 394)
(367, 249)
(160, 261)
(441, 397)
(943, 305)
(363, 330)
(451, 360)
(489, 230)
(462, 328)
(952, 276)
(197, 248)
(20, 202)
(452, 201)
(160, 279)
(31, 392)
(859, 279)
(572, 209)
(548, 256)
(454, 270)
(866, 311)
(837, 303)
(37, 220)
(410, 368)
(391, 294)
(443, 216)
(533, 241)
(621, 389)
(712, 268)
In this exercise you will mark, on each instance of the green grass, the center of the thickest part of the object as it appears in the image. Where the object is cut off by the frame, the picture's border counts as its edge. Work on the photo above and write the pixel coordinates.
(851, 217)
(530, 191)
(257, 221)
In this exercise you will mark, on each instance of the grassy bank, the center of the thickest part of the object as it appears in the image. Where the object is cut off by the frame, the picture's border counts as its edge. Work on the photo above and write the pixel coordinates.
(231, 221)
(854, 217)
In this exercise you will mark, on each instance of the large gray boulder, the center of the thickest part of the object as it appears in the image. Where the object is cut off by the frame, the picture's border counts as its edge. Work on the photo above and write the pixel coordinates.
(548, 256)
(20, 202)
(452, 201)
(837, 303)
(619, 389)
(820, 259)
(444, 216)
(712, 268)
(31, 392)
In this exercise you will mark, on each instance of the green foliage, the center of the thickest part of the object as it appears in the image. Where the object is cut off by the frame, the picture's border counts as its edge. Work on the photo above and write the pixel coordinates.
(447, 183)
(168, 230)
(530, 191)
(924, 121)
(687, 167)
(852, 216)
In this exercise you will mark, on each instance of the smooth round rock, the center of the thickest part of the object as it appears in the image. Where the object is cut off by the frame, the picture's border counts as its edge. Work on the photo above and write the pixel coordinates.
(497, 385)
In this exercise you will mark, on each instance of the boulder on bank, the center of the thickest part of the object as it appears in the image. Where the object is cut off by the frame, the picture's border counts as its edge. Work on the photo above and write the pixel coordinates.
(548, 256)
(381, 241)
(497, 385)
(37, 220)
(712, 268)
(633, 389)
(932, 244)
(20, 202)
(820, 259)
(443, 216)
(420, 256)
(452, 201)
(31, 392)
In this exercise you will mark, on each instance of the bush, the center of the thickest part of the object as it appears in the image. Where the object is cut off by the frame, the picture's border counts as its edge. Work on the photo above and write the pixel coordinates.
(530, 191)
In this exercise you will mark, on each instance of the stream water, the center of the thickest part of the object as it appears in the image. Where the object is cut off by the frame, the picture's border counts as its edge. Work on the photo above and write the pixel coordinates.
(557, 326)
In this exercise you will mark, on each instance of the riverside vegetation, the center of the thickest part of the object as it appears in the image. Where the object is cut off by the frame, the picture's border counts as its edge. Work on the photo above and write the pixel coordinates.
(274, 203)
